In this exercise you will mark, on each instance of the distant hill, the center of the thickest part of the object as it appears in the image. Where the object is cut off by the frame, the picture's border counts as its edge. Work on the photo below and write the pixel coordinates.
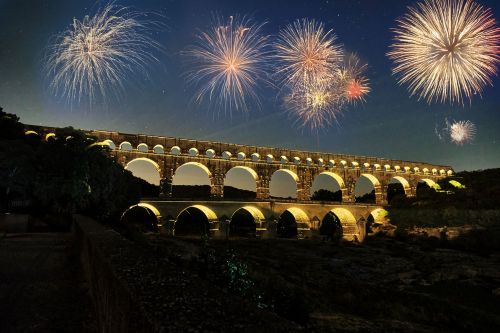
(465, 190)
(231, 192)
(191, 191)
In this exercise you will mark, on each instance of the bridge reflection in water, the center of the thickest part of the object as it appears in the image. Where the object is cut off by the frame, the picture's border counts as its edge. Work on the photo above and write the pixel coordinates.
(223, 167)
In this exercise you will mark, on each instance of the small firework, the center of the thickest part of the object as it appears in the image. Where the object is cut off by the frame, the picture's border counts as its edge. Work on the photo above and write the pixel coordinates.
(462, 132)
(352, 77)
(227, 63)
(306, 53)
(316, 104)
(446, 49)
(94, 56)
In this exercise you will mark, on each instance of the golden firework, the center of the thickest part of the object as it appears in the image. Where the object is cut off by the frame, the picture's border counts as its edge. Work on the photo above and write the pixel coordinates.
(228, 61)
(306, 53)
(315, 104)
(446, 49)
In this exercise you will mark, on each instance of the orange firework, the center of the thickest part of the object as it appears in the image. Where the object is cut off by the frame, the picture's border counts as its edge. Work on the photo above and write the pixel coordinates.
(446, 49)
(352, 75)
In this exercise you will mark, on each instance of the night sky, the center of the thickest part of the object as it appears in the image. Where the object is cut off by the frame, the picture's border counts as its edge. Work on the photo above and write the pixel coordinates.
(390, 124)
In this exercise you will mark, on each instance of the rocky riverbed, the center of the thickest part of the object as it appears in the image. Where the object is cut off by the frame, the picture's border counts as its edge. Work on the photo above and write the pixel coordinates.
(380, 286)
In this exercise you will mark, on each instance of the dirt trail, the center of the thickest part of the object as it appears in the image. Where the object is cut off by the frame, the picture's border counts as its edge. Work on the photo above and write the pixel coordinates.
(41, 286)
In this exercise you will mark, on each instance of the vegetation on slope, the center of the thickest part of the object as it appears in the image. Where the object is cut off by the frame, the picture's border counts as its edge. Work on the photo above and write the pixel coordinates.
(61, 175)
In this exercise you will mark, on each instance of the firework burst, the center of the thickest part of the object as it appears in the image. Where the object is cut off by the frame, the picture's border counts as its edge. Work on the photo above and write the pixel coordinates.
(462, 132)
(315, 104)
(228, 61)
(446, 49)
(457, 132)
(353, 82)
(94, 56)
(308, 65)
(306, 53)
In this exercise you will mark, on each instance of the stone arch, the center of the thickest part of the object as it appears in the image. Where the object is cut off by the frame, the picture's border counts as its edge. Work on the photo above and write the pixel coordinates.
(398, 186)
(426, 186)
(332, 186)
(158, 149)
(175, 150)
(293, 223)
(362, 194)
(240, 182)
(284, 184)
(339, 223)
(125, 146)
(376, 217)
(428, 182)
(144, 216)
(195, 220)
(193, 152)
(52, 136)
(210, 153)
(145, 169)
(245, 220)
(31, 132)
(192, 180)
(142, 147)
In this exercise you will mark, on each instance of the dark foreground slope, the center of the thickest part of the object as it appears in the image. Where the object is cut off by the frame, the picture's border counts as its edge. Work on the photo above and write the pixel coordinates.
(382, 286)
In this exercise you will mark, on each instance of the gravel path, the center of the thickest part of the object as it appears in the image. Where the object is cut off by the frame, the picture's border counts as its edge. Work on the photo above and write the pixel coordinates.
(41, 285)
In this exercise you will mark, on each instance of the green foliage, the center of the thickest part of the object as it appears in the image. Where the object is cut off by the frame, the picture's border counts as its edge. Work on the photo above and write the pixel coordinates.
(66, 175)
(367, 197)
(237, 273)
(228, 270)
(326, 195)
(10, 127)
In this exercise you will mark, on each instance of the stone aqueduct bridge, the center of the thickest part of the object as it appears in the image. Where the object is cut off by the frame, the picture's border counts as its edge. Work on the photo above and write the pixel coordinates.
(167, 154)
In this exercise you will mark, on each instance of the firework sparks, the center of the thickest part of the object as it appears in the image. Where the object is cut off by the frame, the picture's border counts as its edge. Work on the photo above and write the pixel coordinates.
(94, 56)
(355, 86)
(446, 49)
(316, 104)
(462, 132)
(228, 62)
(306, 53)
(308, 65)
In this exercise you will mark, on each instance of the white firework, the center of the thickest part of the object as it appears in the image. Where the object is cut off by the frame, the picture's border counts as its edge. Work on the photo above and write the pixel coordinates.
(462, 132)
(95, 56)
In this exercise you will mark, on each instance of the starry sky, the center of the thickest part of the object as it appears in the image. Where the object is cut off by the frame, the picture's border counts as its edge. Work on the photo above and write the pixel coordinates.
(390, 124)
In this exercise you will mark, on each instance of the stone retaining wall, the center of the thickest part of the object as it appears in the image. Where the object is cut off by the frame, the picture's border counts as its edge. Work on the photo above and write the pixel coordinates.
(115, 309)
